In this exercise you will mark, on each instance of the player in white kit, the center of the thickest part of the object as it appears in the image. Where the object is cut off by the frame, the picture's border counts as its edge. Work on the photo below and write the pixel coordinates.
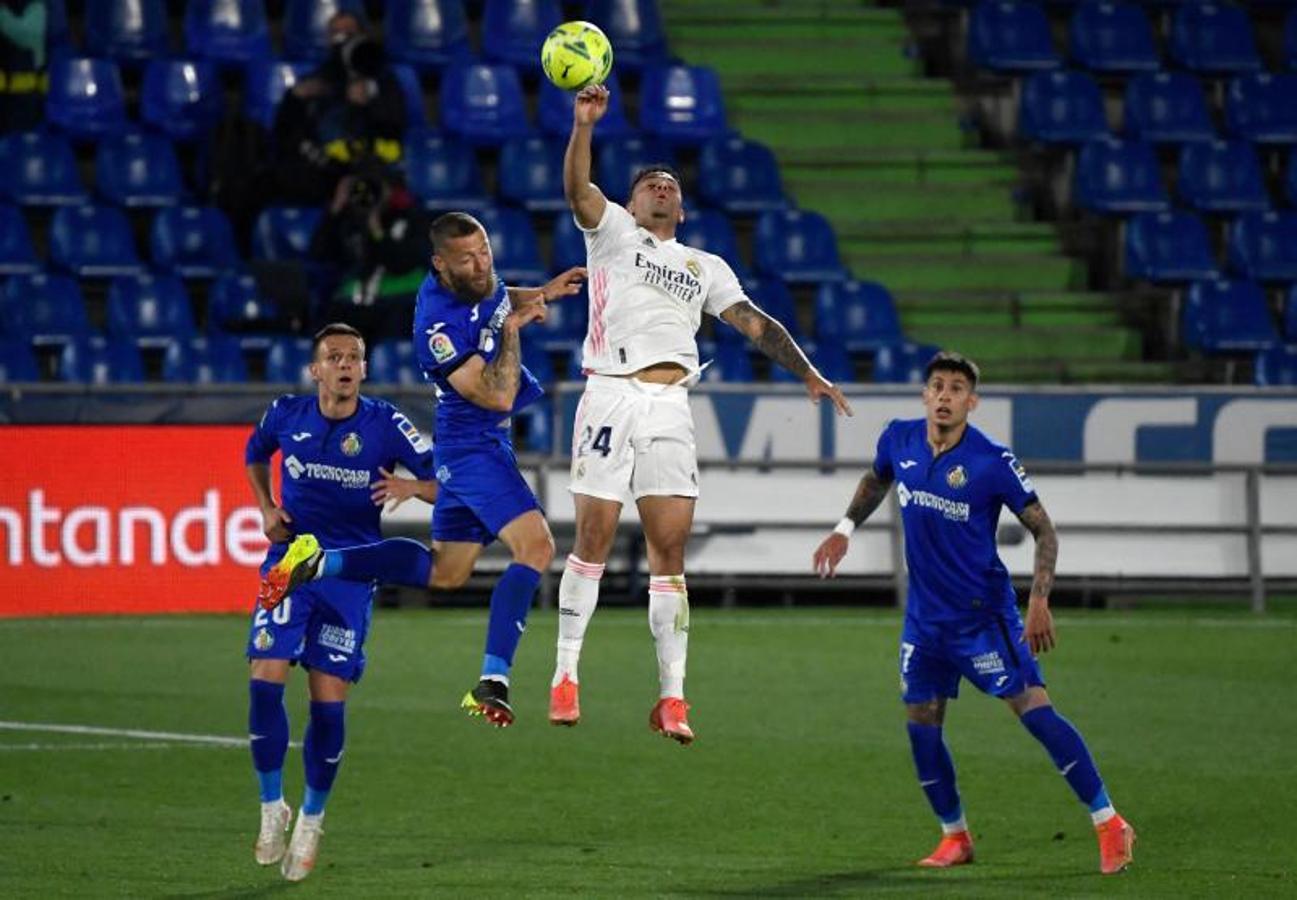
(634, 432)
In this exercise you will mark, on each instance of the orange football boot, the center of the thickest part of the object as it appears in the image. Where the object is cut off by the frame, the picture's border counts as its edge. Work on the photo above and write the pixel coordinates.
(565, 703)
(668, 719)
(1116, 845)
(954, 850)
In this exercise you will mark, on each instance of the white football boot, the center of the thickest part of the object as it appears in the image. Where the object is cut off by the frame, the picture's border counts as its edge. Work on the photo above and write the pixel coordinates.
(300, 858)
(272, 840)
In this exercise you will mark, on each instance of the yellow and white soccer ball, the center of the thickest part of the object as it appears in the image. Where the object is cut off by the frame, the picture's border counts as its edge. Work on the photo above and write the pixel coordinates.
(576, 54)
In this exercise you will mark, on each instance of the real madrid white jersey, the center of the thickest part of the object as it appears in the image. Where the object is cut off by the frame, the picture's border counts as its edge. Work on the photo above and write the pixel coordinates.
(647, 296)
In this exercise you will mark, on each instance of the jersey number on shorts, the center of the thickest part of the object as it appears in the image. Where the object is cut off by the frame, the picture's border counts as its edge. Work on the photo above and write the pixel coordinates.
(279, 615)
(602, 441)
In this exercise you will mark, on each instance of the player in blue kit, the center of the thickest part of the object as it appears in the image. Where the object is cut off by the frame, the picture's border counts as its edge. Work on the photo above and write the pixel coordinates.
(338, 449)
(961, 617)
(466, 326)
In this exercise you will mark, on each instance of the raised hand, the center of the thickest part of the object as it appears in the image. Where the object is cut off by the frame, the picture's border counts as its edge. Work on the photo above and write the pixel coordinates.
(566, 284)
(591, 104)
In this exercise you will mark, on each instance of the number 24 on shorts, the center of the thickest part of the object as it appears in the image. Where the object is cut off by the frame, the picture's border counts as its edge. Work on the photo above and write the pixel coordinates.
(602, 441)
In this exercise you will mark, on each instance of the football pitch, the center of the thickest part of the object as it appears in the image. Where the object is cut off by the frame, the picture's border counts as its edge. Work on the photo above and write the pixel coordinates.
(800, 784)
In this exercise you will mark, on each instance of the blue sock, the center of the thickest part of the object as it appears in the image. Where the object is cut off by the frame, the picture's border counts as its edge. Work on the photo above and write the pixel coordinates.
(936, 771)
(322, 753)
(1068, 751)
(268, 736)
(510, 602)
(393, 561)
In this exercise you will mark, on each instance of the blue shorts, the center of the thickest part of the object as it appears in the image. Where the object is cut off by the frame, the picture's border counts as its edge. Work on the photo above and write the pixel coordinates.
(321, 625)
(481, 491)
(988, 651)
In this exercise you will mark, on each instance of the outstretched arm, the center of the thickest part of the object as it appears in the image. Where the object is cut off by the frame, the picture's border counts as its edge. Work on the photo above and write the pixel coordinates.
(585, 198)
(494, 385)
(869, 494)
(564, 285)
(1040, 621)
(773, 339)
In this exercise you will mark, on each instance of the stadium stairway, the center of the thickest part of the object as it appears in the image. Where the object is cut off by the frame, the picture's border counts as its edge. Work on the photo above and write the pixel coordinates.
(835, 90)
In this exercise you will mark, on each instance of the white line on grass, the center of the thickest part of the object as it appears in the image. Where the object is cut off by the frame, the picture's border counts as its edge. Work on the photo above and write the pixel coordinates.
(137, 734)
(153, 745)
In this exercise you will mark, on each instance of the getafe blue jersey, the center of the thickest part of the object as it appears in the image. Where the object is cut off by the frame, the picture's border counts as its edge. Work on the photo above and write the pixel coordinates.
(329, 464)
(447, 333)
(950, 506)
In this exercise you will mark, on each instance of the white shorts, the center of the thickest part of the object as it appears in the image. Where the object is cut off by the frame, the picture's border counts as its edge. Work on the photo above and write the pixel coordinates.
(633, 437)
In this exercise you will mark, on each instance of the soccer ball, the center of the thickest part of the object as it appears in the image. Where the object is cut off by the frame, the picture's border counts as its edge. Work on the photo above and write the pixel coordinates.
(576, 54)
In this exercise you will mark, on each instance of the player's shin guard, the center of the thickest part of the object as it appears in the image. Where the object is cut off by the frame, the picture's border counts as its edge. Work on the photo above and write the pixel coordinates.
(936, 771)
(268, 736)
(578, 595)
(1068, 751)
(393, 561)
(669, 622)
(322, 753)
(510, 602)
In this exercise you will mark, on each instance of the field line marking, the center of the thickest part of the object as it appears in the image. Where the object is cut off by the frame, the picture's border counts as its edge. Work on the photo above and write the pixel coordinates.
(49, 727)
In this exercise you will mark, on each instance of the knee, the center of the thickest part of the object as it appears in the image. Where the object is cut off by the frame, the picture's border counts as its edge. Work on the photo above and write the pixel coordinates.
(932, 713)
(593, 541)
(448, 579)
(536, 552)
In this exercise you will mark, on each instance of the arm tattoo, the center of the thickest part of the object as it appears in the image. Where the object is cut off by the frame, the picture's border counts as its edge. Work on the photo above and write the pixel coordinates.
(869, 494)
(502, 374)
(769, 336)
(1037, 521)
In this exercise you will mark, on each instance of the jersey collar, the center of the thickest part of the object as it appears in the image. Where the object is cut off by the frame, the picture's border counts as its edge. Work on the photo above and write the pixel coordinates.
(647, 237)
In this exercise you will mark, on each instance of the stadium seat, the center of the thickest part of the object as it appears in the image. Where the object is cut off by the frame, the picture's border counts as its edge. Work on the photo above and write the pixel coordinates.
(1276, 367)
(392, 362)
(1166, 108)
(635, 29)
(204, 360)
(829, 357)
(85, 100)
(536, 358)
(306, 25)
(682, 104)
(443, 172)
(149, 309)
(514, 246)
(531, 174)
(776, 301)
(1008, 36)
(483, 104)
(1118, 176)
(138, 169)
(1224, 316)
(1169, 247)
(1262, 108)
(236, 306)
(17, 362)
(730, 362)
(1061, 108)
(288, 361)
(182, 98)
(284, 233)
(1112, 38)
(555, 111)
(565, 321)
(1221, 177)
(93, 242)
(427, 34)
(1214, 39)
(17, 255)
(264, 85)
(193, 242)
(710, 230)
(739, 176)
(129, 31)
(1263, 245)
(1290, 315)
(513, 30)
(902, 363)
(567, 247)
(618, 159)
(43, 309)
(95, 360)
(416, 117)
(39, 169)
(58, 36)
(228, 32)
(797, 246)
(860, 315)
(536, 423)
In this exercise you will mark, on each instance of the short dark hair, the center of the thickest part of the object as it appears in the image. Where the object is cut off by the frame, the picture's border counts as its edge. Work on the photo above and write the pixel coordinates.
(330, 330)
(448, 226)
(654, 169)
(949, 361)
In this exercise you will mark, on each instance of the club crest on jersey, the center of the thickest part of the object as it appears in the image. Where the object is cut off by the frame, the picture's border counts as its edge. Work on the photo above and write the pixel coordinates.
(694, 269)
(351, 444)
(264, 640)
(957, 477)
(441, 347)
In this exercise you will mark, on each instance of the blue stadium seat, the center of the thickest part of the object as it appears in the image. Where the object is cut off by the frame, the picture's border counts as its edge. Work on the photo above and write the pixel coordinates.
(730, 362)
(682, 104)
(58, 36)
(1263, 108)
(567, 245)
(264, 85)
(39, 169)
(775, 300)
(138, 169)
(1169, 247)
(412, 91)
(284, 233)
(306, 25)
(740, 177)
(1226, 317)
(93, 242)
(182, 98)
(1213, 38)
(830, 357)
(797, 246)
(128, 31)
(149, 309)
(228, 32)
(95, 360)
(555, 111)
(204, 360)
(861, 315)
(1112, 37)
(443, 172)
(86, 99)
(1221, 177)
(1118, 176)
(392, 362)
(1276, 367)
(537, 427)
(1008, 36)
(1061, 108)
(635, 29)
(235, 305)
(902, 363)
(17, 255)
(1290, 178)
(43, 309)
(618, 160)
(1290, 315)
(1290, 41)
(536, 358)
(531, 174)
(710, 230)
(193, 242)
(1263, 245)
(427, 34)
(288, 361)
(1166, 108)
(483, 104)
(565, 321)
(513, 30)
(514, 246)
(17, 362)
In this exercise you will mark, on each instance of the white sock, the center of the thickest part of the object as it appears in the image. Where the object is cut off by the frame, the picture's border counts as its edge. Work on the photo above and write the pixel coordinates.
(669, 622)
(1099, 816)
(954, 827)
(578, 595)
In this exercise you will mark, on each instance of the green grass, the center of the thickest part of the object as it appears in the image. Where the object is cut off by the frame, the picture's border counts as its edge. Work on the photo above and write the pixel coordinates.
(800, 783)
